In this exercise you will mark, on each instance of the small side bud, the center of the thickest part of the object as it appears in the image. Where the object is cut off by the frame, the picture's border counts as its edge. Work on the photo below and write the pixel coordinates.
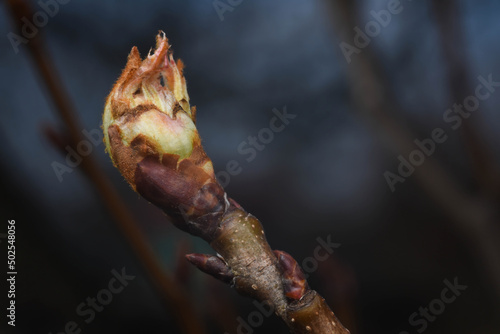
(212, 265)
(294, 280)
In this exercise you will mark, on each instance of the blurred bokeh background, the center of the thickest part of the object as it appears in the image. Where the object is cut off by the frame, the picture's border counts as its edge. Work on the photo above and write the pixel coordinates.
(324, 176)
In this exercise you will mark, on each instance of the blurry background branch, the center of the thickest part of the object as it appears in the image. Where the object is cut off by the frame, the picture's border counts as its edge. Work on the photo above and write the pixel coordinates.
(172, 294)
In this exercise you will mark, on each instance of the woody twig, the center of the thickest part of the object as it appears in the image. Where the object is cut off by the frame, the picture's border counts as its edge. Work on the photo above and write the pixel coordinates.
(151, 136)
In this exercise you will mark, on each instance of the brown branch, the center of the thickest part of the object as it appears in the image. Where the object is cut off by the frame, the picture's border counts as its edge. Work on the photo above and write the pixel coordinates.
(152, 139)
(177, 301)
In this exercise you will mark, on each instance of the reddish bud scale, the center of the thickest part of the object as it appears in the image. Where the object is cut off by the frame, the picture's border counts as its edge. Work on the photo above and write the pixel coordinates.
(212, 265)
(294, 280)
(196, 206)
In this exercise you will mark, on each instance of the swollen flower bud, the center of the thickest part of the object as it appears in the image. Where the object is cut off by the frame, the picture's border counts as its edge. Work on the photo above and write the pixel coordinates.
(151, 137)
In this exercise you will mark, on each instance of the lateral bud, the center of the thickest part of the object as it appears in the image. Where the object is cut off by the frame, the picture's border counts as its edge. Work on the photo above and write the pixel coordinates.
(293, 278)
(212, 265)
